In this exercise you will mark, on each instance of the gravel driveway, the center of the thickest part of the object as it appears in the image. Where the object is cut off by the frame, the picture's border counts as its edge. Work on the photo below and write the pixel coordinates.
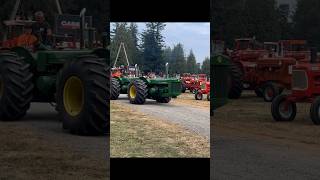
(194, 119)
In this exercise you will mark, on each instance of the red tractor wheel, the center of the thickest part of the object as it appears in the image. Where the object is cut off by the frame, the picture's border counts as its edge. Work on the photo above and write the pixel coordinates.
(198, 95)
(259, 92)
(315, 111)
(194, 91)
(283, 110)
(270, 91)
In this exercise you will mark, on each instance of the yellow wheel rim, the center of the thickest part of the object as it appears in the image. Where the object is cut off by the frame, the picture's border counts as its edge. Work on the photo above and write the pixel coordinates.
(73, 96)
(133, 92)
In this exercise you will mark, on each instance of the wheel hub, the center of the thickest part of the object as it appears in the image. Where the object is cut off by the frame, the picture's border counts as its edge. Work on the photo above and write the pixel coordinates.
(73, 96)
(285, 109)
(269, 92)
(133, 92)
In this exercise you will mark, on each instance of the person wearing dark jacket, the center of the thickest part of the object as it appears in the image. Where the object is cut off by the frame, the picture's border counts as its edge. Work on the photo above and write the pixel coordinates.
(41, 29)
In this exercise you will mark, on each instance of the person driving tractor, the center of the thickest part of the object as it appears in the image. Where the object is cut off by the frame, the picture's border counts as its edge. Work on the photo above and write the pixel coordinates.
(41, 29)
(27, 39)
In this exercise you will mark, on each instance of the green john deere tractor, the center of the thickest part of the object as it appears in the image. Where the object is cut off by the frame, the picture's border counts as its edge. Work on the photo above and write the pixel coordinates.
(223, 76)
(139, 88)
(76, 80)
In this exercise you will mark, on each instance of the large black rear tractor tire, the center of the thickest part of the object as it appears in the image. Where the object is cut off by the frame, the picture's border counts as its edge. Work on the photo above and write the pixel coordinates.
(164, 100)
(235, 82)
(279, 110)
(82, 96)
(137, 92)
(315, 111)
(115, 89)
(270, 91)
(16, 87)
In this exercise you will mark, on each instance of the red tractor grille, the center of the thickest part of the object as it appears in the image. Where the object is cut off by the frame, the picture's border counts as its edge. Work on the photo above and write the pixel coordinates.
(299, 80)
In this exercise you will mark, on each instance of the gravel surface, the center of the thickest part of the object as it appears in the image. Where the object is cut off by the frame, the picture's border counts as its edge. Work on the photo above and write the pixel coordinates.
(194, 119)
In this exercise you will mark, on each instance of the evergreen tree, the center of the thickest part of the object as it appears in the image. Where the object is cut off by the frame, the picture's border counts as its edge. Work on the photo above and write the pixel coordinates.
(191, 63)
(152, 44)
(206, 66)
(307, 21)
(178, 59)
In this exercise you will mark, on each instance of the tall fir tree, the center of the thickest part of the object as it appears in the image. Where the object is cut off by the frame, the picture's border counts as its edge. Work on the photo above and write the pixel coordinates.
(191, 63)
(178, 58)
(152, 44)
(205, 68)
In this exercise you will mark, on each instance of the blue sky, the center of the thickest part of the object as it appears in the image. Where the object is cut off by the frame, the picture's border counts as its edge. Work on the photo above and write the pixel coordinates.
(195, 36)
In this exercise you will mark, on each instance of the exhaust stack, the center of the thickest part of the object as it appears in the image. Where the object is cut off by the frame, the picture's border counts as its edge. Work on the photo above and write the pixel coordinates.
(82, 27)
(167, 70)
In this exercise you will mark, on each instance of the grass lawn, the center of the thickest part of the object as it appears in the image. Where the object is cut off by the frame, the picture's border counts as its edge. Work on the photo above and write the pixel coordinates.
(134, 134)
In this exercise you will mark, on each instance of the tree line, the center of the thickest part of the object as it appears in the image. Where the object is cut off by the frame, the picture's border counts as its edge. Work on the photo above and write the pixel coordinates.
(149, 51)
(266, 21)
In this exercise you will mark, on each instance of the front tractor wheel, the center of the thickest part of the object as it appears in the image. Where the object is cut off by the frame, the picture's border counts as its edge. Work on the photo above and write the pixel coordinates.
(283, 110)
(137, 92)
(208, 96)
(115, 89)
(82, 96)
(270, 91)
(198, 96)
(315, 111)
(16, 87)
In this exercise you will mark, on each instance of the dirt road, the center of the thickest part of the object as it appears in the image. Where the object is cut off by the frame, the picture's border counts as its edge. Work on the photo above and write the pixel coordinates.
(192, 118)
(36, 146)
(248, 144)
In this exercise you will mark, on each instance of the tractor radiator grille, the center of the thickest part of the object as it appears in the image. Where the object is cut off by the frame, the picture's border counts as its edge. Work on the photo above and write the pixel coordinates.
(299, 80)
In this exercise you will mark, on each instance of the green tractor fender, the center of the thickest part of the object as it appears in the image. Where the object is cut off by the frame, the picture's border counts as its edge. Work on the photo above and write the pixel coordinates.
(220, 67)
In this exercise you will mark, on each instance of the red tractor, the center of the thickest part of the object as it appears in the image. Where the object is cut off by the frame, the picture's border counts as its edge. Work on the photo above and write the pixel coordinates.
(305, 88)
(297, 49)
(205, 89)
(266, 68)
(189, 82)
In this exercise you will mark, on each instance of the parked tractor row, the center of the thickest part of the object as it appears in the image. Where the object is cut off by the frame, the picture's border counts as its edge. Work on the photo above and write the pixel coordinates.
(266, 67)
